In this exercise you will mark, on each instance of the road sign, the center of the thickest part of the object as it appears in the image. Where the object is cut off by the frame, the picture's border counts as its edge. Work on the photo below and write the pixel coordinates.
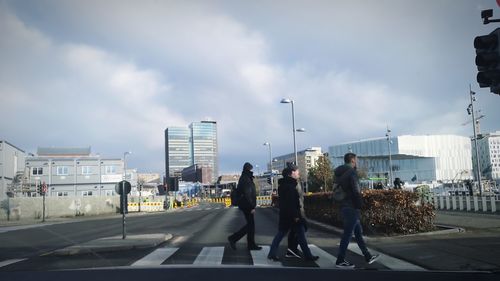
(123, 185)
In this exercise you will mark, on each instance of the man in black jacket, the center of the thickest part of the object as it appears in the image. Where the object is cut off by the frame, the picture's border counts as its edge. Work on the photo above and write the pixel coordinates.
(347, 178)
(247, 201)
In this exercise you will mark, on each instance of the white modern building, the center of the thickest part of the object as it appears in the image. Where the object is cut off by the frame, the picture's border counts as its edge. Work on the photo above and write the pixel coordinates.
(414, 159)
(75, 172)
(11, 166)
(489, 156)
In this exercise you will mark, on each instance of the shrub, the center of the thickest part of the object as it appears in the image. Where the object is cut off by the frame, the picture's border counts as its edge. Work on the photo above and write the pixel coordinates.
(384, 212)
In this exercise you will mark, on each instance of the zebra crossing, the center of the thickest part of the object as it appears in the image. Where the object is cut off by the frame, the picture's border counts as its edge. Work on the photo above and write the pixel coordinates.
(213, 256)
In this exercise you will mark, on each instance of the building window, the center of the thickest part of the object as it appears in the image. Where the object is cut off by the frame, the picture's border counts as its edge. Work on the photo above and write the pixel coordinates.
(86, 193)
(62, 170)
(110, 169)
(62, 193)
(110, 192)
(86, 170)
(37, 171)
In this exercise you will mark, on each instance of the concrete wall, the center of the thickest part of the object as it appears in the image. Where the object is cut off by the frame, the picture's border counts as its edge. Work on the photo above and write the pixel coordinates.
(31, 207)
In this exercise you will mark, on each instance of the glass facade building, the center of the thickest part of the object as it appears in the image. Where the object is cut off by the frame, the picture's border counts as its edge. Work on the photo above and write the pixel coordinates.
(414, 158)
(196, 144)
(489, 156)
(177, 150)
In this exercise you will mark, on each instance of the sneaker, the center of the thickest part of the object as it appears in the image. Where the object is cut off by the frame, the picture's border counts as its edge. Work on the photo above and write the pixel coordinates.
(273, 258)
(293, 253)
(373, 258)
(344, 264)
(254, 248)
(232, 244)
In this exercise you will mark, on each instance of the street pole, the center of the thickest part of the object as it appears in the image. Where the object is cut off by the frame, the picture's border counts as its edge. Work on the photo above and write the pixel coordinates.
(472, 99)
(294, 139)
(388, 135)
(124, 234)
(270, 164)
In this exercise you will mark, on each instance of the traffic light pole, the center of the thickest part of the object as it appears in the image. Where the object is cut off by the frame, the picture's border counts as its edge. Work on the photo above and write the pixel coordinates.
(472, 99)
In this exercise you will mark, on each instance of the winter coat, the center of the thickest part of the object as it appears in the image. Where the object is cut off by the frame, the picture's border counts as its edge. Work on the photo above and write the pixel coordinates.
(289, 202)
(246, 191)
(347, 177)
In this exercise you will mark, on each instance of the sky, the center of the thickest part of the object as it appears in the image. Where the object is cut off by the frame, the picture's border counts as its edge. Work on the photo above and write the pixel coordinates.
(114, 74)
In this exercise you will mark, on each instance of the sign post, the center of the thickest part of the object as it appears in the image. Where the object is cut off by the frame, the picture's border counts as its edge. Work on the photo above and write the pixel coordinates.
(123, 188)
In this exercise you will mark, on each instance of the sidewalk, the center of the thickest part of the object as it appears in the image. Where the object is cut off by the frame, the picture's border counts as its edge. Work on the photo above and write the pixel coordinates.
(468, 220)
(115, 243)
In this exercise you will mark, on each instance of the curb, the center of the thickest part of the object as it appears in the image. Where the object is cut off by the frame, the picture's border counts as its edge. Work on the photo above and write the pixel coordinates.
(113, 244)
(337, 230)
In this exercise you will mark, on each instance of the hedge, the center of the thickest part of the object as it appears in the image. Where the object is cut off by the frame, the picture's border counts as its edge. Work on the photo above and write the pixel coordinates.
(385, 212)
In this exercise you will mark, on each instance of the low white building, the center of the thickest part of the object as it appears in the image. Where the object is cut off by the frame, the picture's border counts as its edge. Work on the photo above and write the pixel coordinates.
(415, 159)
(75, 172)
(306, 159)
(489, 156)
(11, 166)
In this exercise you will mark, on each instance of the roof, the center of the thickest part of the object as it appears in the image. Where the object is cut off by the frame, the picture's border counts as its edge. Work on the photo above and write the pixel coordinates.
(4, 141)
(63, 151)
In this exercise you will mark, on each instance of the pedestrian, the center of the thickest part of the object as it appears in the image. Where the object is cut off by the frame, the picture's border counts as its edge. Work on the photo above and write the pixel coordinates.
(247, 201)
(290, 216)
(351, 211)
(293, 242)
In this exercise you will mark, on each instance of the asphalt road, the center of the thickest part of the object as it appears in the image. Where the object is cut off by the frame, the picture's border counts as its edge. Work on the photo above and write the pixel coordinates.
(200, 241)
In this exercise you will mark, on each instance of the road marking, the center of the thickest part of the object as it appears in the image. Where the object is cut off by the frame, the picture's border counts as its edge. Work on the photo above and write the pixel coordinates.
(157, 257)
(325, 259)
(7, 262)
(210, 256)
(260, 258)
(388, 261)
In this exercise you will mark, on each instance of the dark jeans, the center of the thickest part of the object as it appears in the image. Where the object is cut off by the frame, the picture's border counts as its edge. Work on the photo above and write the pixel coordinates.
(293, 241)
(299, 229)
(352, 224)
(248, 229)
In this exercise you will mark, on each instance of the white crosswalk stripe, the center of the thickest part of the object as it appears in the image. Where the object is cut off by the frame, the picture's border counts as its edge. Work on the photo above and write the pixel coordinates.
(157, 257)
(260, 258)
(9, 262)
(210, 256)
(388, 261)
(325, 259)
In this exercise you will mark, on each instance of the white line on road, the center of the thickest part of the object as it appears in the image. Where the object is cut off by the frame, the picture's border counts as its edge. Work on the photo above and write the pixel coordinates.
(210, 256)
(260, 258)
(7, 262)
(325, 259)
(388, 261)
(157, 257)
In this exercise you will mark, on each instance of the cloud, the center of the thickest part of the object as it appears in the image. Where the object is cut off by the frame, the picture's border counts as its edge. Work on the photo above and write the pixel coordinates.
(117, 81)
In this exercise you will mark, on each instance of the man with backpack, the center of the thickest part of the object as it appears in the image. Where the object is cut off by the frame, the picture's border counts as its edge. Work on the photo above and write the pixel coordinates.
(350, 206)
(246, 199)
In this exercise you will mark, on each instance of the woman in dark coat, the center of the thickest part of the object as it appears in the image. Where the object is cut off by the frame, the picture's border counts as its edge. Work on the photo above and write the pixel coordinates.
(290, 216)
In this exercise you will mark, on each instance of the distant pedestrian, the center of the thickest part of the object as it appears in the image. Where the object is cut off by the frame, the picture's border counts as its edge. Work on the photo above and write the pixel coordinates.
(351, 211)
(290, 216)
(247, 201)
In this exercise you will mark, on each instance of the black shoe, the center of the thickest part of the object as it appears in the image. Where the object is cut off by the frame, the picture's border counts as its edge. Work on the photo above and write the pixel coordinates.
(254, 248)
(232, 243)
(312, 258)
(372, 259)
(273, 258)
(293, 253)
(344, 265)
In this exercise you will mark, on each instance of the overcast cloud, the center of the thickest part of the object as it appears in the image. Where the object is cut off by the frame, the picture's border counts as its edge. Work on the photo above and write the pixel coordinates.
(114, 74)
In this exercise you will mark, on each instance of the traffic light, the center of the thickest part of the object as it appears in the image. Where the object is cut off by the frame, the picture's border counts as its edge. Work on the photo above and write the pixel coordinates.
(269, 180)
(488, 60)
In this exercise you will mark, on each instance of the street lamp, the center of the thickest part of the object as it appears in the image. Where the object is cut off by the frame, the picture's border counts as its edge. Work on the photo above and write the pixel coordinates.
(125, 164)
(293, 126)
(270, 163)
(388, 135)
(474, 120)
